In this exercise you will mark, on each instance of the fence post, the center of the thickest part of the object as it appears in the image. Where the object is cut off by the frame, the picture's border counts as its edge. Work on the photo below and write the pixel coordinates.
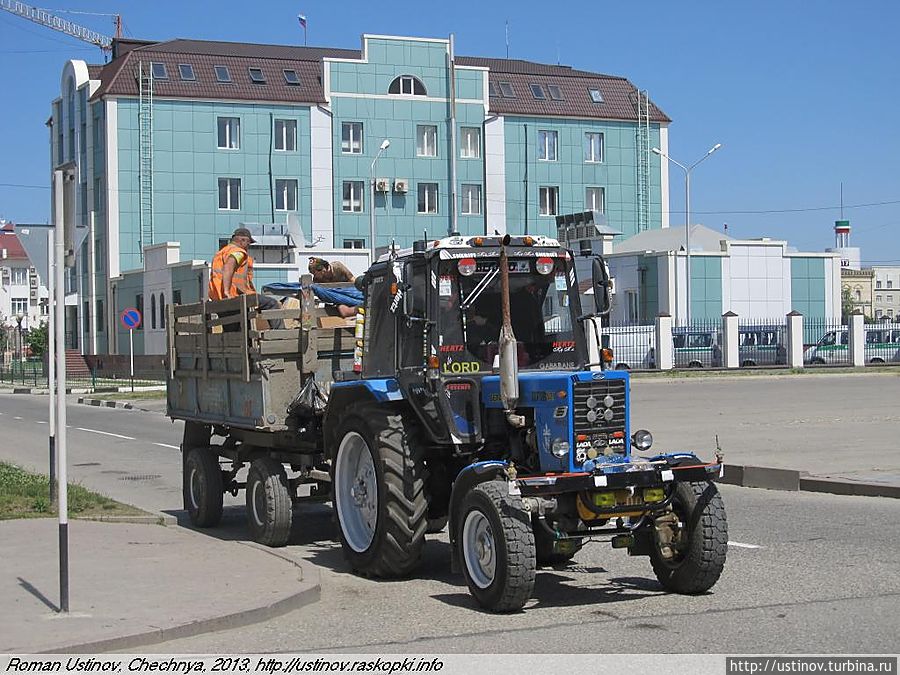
(730, 354)
(665, 350)
(794, 340)
(857, 339)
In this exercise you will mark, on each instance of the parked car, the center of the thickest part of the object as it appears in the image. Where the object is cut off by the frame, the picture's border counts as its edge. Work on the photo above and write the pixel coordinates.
(882, 345)
(761, 346)
(697, 347)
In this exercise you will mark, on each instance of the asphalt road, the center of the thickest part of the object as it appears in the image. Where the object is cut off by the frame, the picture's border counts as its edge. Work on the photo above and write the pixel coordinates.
(805, 572)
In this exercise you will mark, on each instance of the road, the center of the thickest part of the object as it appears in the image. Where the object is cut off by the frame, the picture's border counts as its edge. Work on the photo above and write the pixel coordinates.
(805, 572)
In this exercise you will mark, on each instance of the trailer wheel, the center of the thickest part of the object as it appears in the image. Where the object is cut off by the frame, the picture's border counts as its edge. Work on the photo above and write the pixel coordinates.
(269, 503)
(544, 547)
(699, 543)
(202, 486)
(496, 547)
(378, 491)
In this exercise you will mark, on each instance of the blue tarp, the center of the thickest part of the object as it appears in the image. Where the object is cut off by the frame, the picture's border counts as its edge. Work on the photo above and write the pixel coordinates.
(338, 296)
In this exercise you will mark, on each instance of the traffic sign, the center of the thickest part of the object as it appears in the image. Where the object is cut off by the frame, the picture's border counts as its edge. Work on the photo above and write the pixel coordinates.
(130, 318)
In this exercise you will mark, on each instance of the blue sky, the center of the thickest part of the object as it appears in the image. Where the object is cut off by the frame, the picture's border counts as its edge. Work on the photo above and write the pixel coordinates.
(802, 95)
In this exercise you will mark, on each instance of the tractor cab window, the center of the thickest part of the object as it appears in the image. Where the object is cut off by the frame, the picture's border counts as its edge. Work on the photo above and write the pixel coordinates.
(412, 345)
(380, 330)
(471, 316)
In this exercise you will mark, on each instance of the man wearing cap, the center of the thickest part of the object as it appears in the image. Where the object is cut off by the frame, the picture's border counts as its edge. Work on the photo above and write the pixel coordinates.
(325, 272)
(231, 274)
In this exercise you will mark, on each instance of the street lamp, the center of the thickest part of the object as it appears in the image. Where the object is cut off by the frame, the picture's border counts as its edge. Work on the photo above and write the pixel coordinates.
(687, 217)
(385, 144)
(19, 318)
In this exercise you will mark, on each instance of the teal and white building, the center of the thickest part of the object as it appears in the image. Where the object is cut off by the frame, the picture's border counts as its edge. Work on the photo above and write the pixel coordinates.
(179, 142)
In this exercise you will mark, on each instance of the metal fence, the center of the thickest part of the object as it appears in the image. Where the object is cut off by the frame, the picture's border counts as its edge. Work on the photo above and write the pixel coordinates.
(633, 346)
(33, 374)
(698, 345)
(825, 342)
(762, 342)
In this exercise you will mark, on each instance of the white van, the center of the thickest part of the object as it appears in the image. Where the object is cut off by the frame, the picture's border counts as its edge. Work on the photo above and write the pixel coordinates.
(882, 346)
(633, 347)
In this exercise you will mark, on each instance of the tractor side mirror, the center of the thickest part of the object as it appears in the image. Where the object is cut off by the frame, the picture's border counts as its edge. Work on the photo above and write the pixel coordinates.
(600, 279)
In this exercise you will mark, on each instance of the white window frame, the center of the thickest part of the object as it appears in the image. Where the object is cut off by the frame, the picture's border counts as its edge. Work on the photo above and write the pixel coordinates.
(589, 202)
(470, 142)
(470, 196)
(286, 135)
(18, 272)
(423, 131)
(427, 193)
(546, 206)
(231, 132)
(232, 193)
(593, 147)
(548, 145)
(286, 191)
(18, 306)
(407, 82)
(352, 138)
(352, 196)
(354, 243)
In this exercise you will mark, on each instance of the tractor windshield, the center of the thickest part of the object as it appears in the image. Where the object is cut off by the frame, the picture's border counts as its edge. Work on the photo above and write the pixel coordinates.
(470, 314)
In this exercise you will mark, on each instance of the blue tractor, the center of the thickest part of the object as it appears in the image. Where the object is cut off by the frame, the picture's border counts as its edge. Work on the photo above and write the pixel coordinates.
(474, 400)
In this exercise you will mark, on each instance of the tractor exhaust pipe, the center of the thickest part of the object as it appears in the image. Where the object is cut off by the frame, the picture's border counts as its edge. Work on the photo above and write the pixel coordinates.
(509, 358)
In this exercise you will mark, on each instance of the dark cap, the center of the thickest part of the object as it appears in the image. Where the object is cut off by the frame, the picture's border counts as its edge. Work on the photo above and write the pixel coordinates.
(243, 232)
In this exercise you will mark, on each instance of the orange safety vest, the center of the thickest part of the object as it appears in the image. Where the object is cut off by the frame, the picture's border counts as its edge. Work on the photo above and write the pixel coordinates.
(241, 282)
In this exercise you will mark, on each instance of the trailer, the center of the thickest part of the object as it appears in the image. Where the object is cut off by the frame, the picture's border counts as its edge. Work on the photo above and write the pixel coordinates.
(462, 396)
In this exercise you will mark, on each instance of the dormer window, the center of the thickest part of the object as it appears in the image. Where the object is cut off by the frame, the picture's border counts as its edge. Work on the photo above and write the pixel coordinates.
(186, 70)
(290, 77)
(407, 85)
(159, 71)
(256, 75)
(222, 74)
(596, 96)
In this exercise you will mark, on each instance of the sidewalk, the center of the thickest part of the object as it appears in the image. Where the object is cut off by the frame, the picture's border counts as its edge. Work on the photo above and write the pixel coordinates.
(135, 585)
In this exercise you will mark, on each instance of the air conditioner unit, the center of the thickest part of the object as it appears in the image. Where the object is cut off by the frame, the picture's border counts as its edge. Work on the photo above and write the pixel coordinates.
(401, 185)
(382, 184)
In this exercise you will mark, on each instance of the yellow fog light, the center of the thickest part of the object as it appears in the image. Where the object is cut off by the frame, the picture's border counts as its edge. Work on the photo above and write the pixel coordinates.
(654, 494)
(604, 499)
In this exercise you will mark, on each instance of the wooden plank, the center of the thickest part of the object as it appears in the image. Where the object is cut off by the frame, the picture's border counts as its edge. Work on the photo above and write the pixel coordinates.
(170, 337)
(273, 347)
(279, 334)
(244, 331)
(232, 304)
(187, 327)
(205, 344)
(188, 310)
(227, 320)
(277, 314)
(212, 375)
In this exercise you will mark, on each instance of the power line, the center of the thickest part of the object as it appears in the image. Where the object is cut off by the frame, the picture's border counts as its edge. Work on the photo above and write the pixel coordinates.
(26, 187)
(799, 210)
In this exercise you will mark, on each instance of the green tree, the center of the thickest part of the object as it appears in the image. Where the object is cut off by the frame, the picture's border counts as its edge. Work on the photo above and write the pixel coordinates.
(36, 339)
(846, 304)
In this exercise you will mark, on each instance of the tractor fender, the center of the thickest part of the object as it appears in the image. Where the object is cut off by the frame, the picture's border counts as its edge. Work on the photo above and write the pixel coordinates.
(380, 391)
(468, 478)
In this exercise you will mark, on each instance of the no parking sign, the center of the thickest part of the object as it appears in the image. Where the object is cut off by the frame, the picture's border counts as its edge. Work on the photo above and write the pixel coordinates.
(130, 318)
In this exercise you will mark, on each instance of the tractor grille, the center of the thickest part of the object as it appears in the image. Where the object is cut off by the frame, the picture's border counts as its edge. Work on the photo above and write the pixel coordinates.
(605, 436)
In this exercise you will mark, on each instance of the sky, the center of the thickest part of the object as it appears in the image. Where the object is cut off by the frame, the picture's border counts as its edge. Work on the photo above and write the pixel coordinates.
(801, 95)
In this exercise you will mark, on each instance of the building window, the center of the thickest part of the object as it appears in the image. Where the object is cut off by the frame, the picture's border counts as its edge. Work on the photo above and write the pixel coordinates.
(555, 92)
(471, 200)
(153, 311)
(256, 75)
(18, 306)
(426, 140)
(159, 71)
(176, 296)
(877, 298)
(229, 132)
(86, 317)
(538, 92)
(549, 197)
(547, 145)
(223, 74)
(878, 284)
(878, 313)
(631, 303)
(19, 276)
(595, 199)
(186, 71)
(285, 194)
(99, 255)
(593, 147)
(230, 194)
(290, 77)
(353, 196)
(428, 198)
(286, 135)
(890, 283)
(352, 138)
(470, 143)
(890, 313)
(506, 90)
(859, 296)
(162, 310)
(139, 306)
(596, 96)
(890, 298)
(354, 243)
(407, 85)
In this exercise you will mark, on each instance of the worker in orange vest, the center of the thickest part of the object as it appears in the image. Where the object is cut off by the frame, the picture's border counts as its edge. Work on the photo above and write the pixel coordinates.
(231, 274)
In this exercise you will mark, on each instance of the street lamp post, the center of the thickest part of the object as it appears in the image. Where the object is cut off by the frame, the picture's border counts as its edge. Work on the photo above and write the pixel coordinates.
(385, 144)
(687, 220)
(19, 318)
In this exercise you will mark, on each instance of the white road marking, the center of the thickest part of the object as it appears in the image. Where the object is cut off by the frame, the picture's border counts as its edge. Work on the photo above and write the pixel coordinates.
(738, 544)
(106, 433)
(166, 445)
(17, 417)
(40, 422)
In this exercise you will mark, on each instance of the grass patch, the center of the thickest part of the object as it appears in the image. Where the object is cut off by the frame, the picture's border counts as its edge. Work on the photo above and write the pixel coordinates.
(27, 495)
(156, 395)
(693, 373)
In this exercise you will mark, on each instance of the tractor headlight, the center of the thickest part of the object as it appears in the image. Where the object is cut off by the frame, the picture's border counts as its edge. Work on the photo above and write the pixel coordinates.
(560, 448)
(642, 439)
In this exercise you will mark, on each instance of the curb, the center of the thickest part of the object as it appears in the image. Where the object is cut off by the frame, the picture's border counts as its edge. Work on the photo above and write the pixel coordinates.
(800, 481)
(103, 403)
(163, 519)
(310, 592)
(44, 391)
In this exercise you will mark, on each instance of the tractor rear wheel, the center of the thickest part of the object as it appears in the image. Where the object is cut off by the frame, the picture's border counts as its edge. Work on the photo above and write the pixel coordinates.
(496, 547)
(202, 485)
(691, 560)
(378, 491)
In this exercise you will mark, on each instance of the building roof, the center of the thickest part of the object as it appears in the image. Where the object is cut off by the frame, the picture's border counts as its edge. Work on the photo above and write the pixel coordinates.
(10, 243)
(672, 239)
(119, 77)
